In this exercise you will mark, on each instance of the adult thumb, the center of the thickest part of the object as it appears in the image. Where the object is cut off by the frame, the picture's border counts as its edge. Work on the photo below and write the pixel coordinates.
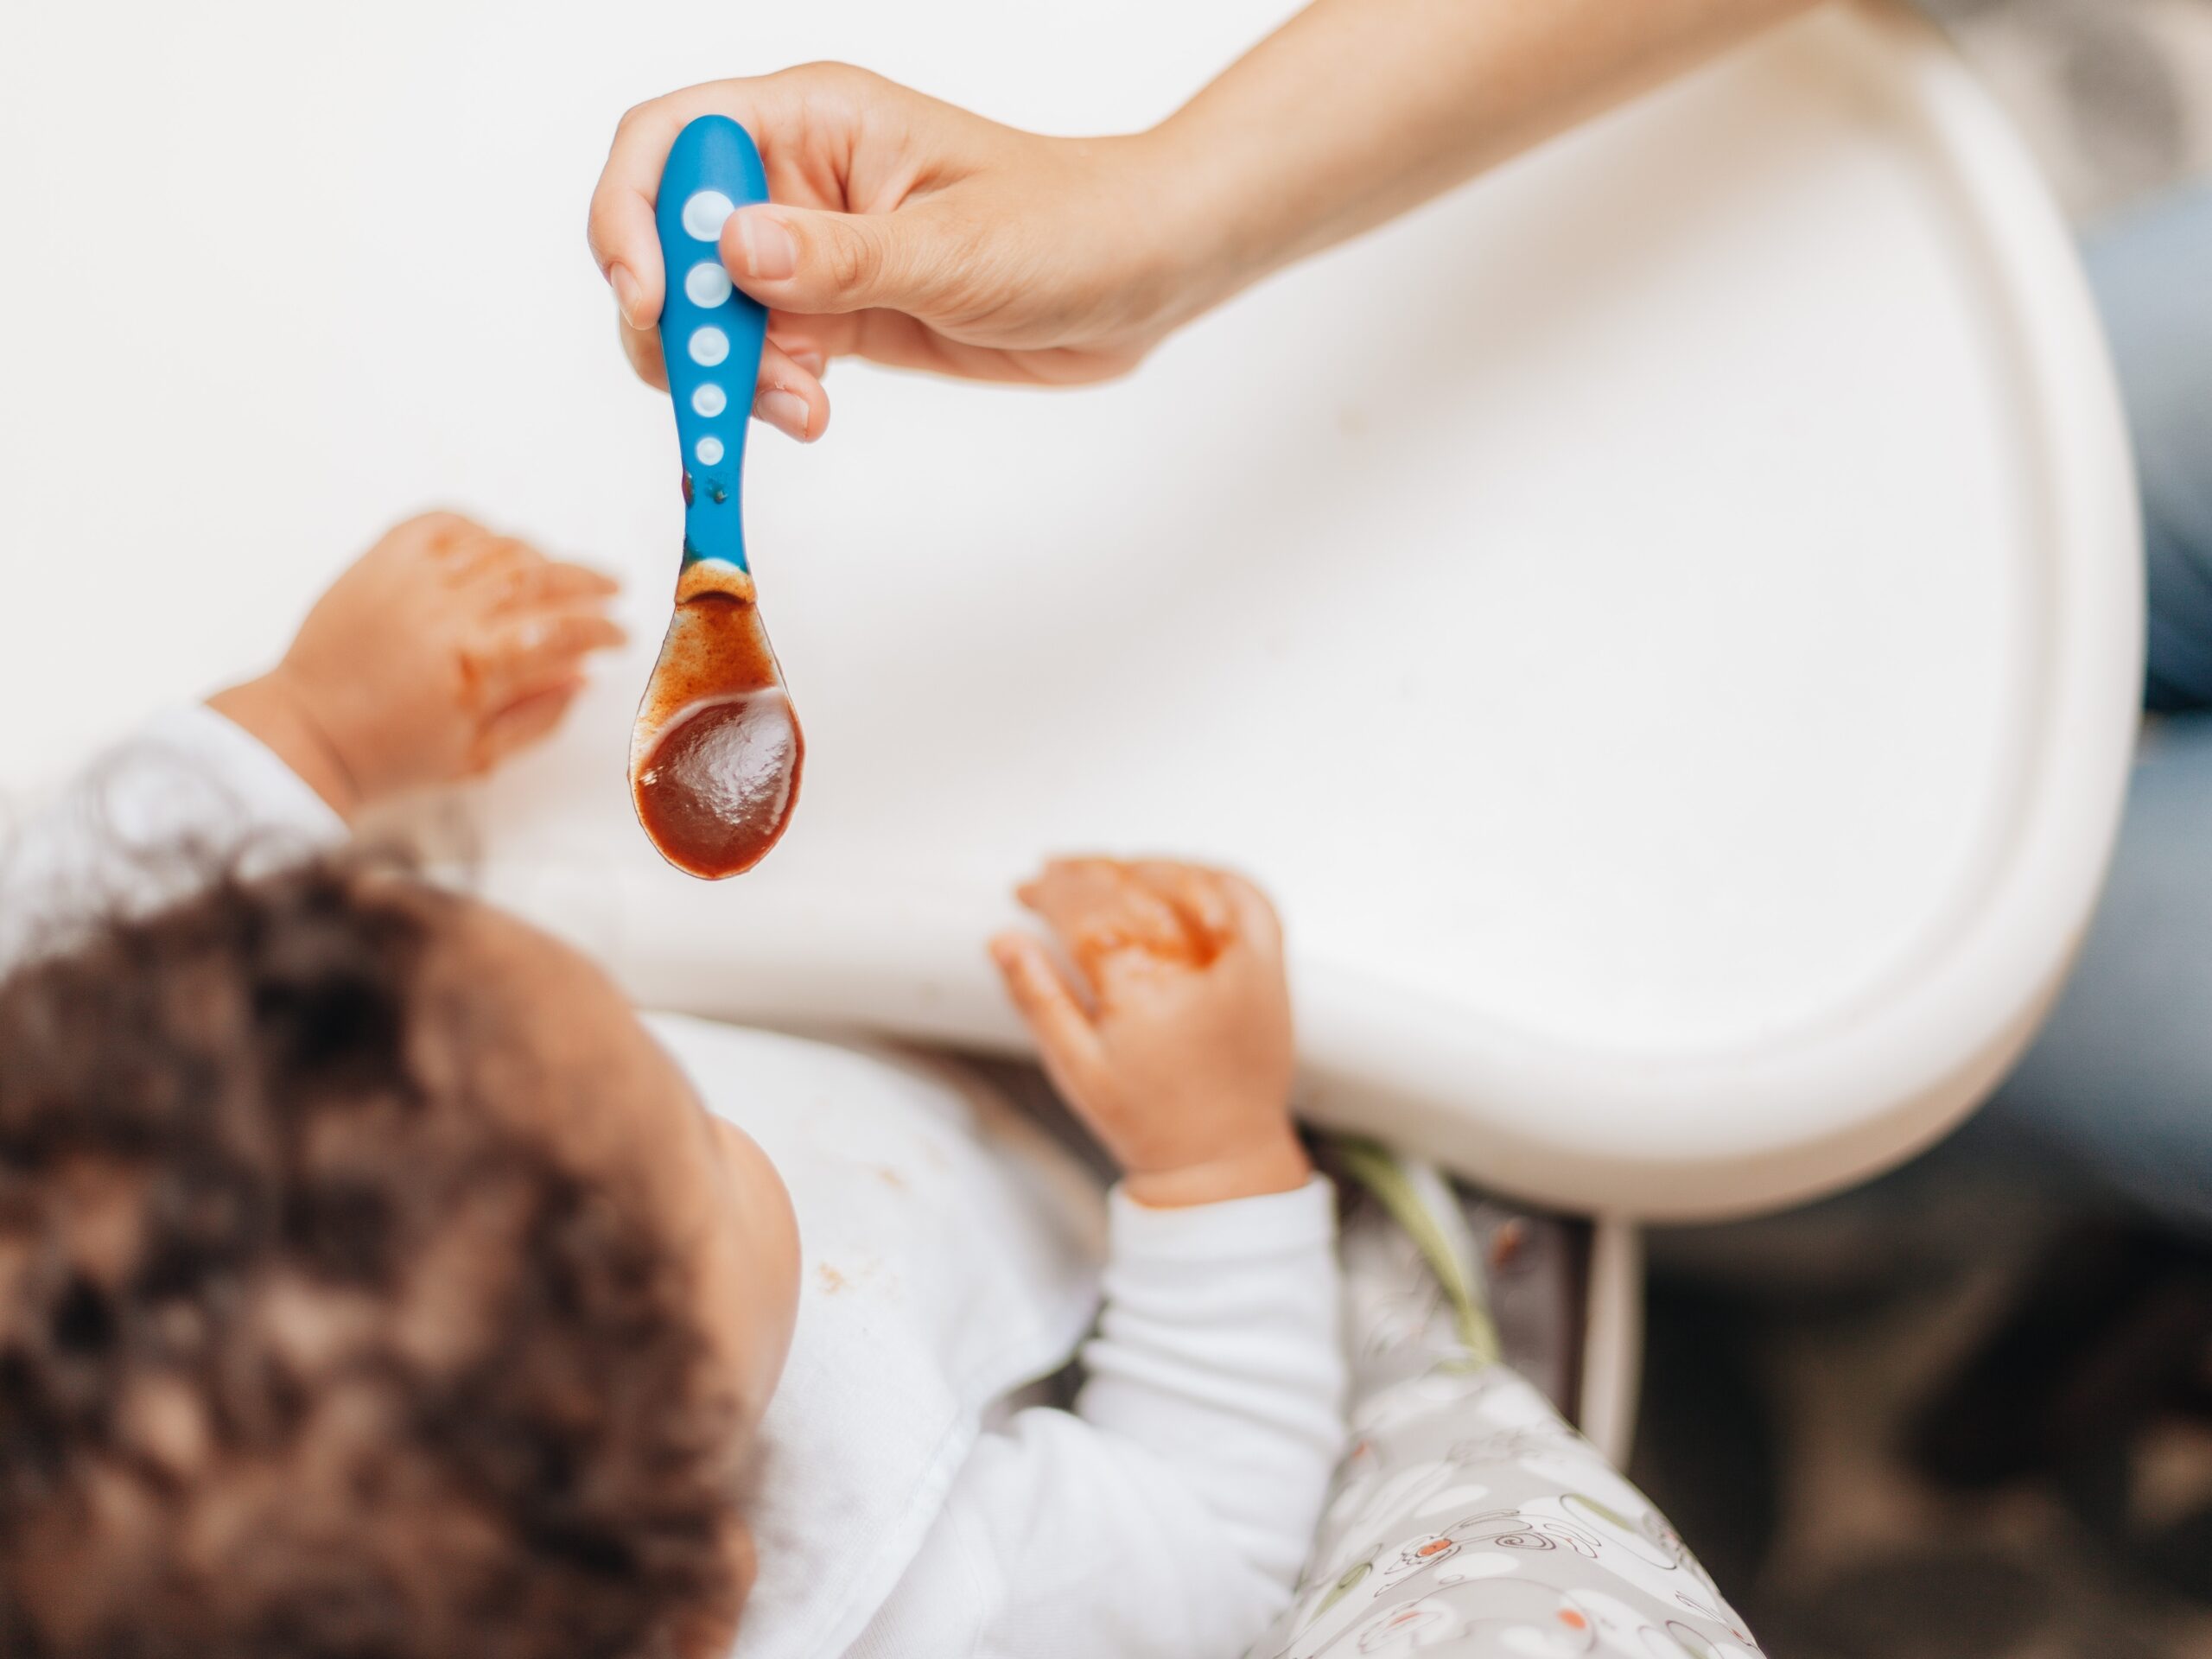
(814, 262)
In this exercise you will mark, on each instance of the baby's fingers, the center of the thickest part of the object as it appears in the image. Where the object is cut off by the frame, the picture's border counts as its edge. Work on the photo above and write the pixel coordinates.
(1096, 907)
(551, 585)
(1198, 898)
(478, 560)
(527, 655)
(1257, 924)
(1066, 1040)
(521, 724)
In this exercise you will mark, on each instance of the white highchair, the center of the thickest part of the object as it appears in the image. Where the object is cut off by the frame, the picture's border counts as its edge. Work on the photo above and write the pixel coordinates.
(1665, 621)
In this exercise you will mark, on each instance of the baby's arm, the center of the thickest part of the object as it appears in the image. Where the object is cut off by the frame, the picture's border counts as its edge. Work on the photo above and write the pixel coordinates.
(1169, 1513)
(440, 651)
(1217, 1349)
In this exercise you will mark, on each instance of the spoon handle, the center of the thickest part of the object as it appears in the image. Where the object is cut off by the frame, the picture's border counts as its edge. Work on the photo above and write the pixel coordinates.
(710, 334)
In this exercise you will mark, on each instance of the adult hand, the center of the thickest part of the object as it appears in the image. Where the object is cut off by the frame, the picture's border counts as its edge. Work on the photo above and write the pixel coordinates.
(908, 231)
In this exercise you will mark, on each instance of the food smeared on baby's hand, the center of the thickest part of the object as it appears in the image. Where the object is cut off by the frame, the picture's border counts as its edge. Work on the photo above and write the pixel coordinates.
(1173, 1038)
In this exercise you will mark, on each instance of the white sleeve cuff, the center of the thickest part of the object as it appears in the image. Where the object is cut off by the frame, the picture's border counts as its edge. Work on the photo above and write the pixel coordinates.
(1237, 1229)
(266, 795)
(188, 781)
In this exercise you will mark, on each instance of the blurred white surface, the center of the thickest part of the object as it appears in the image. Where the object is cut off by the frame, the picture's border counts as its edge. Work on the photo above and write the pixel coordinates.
(1663, 620)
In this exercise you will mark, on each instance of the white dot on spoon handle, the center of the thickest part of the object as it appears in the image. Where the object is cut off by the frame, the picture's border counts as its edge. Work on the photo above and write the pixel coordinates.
(703, 215)
(706, 284)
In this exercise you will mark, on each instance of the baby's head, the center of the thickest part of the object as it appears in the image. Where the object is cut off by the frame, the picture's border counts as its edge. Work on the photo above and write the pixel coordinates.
(370, 1284)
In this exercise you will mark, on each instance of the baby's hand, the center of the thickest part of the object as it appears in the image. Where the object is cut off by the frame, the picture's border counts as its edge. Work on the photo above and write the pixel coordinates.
(1175, 1044)
(443, 650)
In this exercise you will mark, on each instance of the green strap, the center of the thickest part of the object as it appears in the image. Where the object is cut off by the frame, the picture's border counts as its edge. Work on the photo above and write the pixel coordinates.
(1377, 1169)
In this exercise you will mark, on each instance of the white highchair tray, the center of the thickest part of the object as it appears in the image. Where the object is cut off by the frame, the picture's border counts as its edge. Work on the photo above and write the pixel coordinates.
(1663, 621)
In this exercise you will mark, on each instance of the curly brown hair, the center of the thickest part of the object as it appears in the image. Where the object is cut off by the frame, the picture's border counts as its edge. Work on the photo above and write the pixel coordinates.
(303, 1356)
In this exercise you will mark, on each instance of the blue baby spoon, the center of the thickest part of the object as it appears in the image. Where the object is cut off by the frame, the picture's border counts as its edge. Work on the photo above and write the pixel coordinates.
(715, 755)
(710, 335)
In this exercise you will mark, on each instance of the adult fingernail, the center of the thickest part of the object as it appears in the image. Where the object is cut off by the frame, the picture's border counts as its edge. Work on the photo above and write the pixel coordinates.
(765, 244)
(785, 410)
(627, 294)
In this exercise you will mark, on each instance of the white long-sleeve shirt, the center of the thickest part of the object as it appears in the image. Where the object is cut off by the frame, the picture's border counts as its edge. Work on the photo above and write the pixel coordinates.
(907, 1504)
(1169, 1513)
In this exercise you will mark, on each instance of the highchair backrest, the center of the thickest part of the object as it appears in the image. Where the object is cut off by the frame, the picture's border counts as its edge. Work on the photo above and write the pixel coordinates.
(1664, 620)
